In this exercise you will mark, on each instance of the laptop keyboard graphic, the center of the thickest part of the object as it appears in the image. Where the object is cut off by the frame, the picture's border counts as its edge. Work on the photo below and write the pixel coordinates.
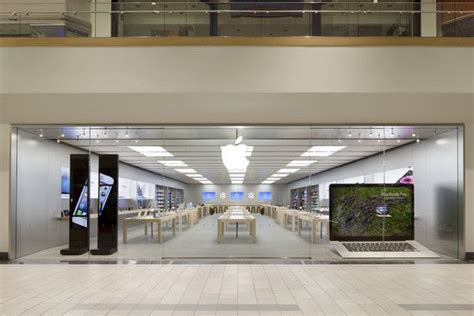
(397, 246)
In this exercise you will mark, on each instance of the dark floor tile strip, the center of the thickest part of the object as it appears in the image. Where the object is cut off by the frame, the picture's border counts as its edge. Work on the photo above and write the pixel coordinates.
(438, 307)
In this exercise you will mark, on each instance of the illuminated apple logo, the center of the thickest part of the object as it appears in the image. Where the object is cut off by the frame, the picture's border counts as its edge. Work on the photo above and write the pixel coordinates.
(234, 156)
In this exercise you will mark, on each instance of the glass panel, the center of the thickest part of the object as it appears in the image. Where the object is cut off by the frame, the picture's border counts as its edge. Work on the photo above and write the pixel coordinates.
(376, 169)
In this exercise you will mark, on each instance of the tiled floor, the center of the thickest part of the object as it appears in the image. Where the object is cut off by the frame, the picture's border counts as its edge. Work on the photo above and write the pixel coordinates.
(341, 289)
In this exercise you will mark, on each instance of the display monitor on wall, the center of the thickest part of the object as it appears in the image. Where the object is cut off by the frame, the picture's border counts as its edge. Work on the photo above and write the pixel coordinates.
(265, 196)
(237, 196)
(208, 196)
(361, 212)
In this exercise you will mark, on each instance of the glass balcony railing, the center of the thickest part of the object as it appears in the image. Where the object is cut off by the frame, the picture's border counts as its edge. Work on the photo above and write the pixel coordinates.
(103, 18)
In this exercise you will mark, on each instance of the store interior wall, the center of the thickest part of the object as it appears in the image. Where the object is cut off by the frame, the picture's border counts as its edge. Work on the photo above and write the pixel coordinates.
(280, 195)
(435, 168)
(39, 200)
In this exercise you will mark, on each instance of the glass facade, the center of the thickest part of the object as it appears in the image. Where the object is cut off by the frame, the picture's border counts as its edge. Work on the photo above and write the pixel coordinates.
(320, 193)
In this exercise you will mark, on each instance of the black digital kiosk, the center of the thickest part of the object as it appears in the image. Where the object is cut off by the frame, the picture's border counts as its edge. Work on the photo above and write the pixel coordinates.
(107, 231)
(78, 206)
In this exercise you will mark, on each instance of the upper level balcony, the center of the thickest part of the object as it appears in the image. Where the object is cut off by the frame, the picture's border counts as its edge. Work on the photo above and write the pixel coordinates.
(236, 18)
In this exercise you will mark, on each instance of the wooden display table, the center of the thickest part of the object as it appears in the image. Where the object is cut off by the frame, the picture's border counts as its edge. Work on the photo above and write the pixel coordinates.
(189, 215)
(165, 218)
(236, 215)
(290, 217)
(315, 222)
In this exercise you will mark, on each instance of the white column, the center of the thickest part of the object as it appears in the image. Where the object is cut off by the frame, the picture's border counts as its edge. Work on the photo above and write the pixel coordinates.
(4, 188)
(429, 21)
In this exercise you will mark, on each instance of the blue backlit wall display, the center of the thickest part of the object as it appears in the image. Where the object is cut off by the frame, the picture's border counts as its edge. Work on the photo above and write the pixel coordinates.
(265, 196)
(237, 196)
(208, 196)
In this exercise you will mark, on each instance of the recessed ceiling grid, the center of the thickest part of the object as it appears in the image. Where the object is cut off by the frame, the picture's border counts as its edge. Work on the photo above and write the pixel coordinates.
(274, 148)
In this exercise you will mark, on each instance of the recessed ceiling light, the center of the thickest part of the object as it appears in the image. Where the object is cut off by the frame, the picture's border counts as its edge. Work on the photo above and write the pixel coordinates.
(236, 174)
(300, 163)
(237, 182)
(200, 179)
(186, 170)
(173, 163)
(273, 179)
(267, 182)
(151, 151)
(287, 170)
(194, 175)
(206, 182)
(279, 175)
(322, 151)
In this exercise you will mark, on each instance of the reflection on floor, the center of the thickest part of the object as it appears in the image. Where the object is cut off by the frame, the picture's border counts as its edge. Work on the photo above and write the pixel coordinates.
(273, 241)
(257, 290)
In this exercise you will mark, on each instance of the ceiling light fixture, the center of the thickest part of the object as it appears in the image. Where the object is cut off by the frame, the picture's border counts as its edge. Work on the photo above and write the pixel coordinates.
(267, 182)
(206, 182)
(360, 139)
(127, 134)
(371, 134)
(280, 175)
(413, 135)
(195, 175)
(105, 132)
(417, 140)
(151, 151)
(300, 163)
(350, 133)
(62, 135)
(392, 133)
(41, 133)
(322, 151)
(173, 163)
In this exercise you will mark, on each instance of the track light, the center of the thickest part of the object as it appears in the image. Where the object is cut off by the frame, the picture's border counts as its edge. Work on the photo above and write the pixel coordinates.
(105, 132)
(360, 140)
(126, 134)
(84, 132)
(413, 135)
(371, 134)
(392, 133)
(350, 133)
(41, 133)
(417, 140)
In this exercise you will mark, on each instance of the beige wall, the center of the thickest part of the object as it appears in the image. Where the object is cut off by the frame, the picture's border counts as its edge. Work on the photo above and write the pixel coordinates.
(224, 85)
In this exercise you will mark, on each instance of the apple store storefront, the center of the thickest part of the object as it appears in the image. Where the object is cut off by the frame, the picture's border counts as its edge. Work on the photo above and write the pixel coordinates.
(210, 193)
